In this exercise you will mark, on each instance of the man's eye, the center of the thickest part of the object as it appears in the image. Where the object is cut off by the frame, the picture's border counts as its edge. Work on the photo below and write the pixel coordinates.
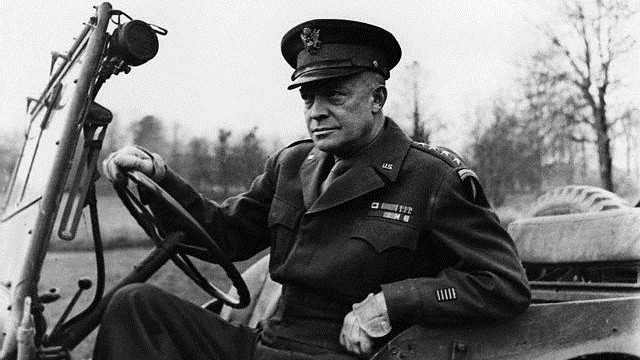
(336, 96)
(306, 98)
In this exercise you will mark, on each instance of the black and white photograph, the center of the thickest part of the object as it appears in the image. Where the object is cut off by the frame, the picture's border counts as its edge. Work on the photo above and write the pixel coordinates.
(320, 179)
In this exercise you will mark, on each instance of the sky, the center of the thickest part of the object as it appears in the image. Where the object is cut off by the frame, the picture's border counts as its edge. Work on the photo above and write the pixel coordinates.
(220, 64)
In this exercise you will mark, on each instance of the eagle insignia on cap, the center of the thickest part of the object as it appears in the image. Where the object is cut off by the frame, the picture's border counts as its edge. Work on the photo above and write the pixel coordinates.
(310, 39)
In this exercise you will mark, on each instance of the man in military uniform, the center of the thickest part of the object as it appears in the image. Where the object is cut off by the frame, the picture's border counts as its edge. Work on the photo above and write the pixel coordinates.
(369, 232)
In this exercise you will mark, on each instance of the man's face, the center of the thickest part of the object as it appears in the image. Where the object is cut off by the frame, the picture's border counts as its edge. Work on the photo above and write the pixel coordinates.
(340, 113)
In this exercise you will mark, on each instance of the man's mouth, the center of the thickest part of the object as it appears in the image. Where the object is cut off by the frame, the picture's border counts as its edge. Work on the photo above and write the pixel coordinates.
(324, 131)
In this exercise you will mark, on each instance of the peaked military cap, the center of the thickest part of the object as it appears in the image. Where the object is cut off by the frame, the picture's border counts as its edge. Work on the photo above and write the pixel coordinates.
(326, 48)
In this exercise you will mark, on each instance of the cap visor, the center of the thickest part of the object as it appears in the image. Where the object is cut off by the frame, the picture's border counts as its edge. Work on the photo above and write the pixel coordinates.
(321, 74)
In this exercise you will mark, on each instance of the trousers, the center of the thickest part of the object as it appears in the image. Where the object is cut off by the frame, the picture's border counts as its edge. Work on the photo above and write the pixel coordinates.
(145, 322)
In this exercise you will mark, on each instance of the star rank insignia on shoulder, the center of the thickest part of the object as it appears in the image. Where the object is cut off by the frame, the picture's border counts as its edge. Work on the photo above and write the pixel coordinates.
(447, 155)
(455, 161)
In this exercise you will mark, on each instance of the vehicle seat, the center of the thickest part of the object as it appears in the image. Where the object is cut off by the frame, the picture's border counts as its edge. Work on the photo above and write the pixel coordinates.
(265, 294)
(605, 236)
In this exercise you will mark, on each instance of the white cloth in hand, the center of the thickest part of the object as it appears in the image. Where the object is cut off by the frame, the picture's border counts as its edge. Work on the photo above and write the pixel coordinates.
(368, 320)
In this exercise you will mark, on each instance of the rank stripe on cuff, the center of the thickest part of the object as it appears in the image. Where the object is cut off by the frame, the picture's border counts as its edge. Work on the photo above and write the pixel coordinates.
(446, 294)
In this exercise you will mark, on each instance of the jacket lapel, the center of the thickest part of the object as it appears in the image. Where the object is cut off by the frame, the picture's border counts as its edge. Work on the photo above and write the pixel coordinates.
(371, 169)
(356, 182)
(311, 174)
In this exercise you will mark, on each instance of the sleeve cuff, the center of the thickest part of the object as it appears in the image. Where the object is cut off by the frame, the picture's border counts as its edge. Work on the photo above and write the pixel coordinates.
(402, 298)
(159, 168)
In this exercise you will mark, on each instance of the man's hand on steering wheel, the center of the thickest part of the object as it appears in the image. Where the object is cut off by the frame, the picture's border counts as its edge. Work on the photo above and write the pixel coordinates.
(131, 158)
(144, 169)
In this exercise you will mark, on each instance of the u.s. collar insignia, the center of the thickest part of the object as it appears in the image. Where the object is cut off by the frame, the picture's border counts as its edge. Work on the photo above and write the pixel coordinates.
(311, 41)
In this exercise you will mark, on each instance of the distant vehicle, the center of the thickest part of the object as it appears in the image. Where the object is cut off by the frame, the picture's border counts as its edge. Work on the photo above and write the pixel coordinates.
(583, 266)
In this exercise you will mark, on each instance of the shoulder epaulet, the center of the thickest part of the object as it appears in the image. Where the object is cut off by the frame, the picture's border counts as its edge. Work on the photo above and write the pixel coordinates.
(299, 142)
(452, 159)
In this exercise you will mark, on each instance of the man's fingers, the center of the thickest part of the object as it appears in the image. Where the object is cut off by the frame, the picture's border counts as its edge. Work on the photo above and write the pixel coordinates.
(110, 169)
(129, 158)
(360, 340)
(116, 164)
(365, 344)
(127, 161)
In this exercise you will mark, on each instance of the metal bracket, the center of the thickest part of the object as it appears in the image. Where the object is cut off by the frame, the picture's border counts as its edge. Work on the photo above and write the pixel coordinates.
(94, 128)
(30, 100)
(54, 57)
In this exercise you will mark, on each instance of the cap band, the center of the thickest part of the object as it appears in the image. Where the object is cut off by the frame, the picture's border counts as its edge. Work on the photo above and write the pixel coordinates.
(324, 73)
(332, 56)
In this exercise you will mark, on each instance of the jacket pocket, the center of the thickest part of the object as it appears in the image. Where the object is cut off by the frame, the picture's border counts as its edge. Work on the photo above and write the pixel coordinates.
(383, 234)
(283, 221)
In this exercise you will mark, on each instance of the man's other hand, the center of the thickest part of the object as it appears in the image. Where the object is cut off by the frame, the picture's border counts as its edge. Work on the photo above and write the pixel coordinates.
(133, 158)
(353, 338)
(367, 321)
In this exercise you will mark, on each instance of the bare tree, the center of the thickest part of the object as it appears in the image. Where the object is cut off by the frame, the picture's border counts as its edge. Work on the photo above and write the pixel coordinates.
(596, 38)
(505, 157)
(555, 116)
(223, 166)
(177, 158)
(149, 132)
(200, 162)
(414, 106)
(419, 132)
(629, 128)
(249, 156)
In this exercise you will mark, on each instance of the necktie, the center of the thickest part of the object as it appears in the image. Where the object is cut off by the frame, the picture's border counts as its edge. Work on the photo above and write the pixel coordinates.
(339, 168)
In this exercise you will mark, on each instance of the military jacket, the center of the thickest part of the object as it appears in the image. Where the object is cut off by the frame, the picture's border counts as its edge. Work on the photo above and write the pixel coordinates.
(403, 219)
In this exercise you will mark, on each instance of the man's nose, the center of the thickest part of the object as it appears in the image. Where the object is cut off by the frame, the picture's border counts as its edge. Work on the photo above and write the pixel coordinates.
(318, 109)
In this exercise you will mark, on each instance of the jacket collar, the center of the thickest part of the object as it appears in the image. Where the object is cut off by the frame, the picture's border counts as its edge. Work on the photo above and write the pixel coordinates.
(370, 169)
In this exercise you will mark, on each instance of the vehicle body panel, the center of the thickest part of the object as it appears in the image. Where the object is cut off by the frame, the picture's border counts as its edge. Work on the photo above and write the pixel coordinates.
(545, 331)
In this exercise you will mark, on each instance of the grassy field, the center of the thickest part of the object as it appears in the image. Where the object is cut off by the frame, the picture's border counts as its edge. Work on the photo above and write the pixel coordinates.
(117, 226)
(63, 269)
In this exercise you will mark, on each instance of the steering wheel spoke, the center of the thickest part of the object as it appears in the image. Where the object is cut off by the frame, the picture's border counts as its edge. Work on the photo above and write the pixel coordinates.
(210, 251)
(140, 213)
(197, 252)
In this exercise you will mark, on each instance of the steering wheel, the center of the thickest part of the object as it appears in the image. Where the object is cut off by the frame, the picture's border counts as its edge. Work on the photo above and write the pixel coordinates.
(209, 251)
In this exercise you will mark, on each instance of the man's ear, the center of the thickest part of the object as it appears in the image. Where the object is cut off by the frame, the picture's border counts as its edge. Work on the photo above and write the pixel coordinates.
(379, 98)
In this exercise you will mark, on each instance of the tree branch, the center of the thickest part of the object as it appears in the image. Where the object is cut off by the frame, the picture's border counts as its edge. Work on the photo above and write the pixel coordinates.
(556, 42)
